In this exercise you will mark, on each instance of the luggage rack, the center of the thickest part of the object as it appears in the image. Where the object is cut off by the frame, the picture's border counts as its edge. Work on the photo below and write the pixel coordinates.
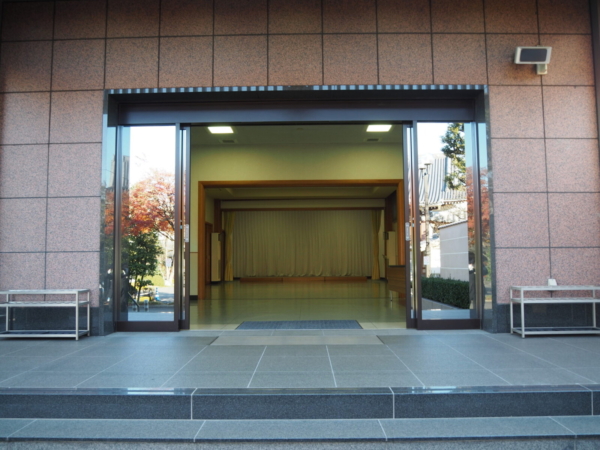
(12, 302)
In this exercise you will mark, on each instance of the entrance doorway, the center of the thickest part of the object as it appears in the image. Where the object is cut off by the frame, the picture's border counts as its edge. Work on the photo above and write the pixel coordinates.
(185, 265)
(307, 213)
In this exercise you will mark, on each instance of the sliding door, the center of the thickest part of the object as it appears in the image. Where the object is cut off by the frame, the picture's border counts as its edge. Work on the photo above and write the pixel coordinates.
(149, 228)
(442, 228)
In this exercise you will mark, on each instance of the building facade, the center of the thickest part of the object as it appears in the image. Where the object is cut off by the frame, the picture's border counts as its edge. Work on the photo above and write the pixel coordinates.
(59, 60)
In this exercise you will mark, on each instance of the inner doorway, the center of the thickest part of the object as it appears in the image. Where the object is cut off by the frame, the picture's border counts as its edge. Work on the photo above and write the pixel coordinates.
(305, 219)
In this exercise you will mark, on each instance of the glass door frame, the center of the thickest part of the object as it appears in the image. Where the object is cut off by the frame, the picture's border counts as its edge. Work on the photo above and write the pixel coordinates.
(414, 257)
(181, 250)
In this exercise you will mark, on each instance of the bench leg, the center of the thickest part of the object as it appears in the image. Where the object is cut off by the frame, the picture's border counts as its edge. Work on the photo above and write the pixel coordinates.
(89, 325)
(512, 322)
(522, 319)
(77, 316)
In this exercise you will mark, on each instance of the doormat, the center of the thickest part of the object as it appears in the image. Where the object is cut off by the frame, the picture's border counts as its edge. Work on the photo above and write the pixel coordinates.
(301, 325)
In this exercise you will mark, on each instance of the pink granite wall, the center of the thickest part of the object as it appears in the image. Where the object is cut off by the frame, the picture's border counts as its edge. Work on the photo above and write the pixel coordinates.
(57, 57)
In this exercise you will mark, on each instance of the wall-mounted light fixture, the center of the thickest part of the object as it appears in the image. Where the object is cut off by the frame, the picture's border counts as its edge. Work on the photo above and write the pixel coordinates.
(540, 56)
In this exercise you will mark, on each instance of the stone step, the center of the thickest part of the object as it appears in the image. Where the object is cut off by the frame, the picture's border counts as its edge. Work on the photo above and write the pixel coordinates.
(271, 404)
(558, 432)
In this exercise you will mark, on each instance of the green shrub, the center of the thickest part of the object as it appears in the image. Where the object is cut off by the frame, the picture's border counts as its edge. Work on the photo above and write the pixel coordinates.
(447, 291)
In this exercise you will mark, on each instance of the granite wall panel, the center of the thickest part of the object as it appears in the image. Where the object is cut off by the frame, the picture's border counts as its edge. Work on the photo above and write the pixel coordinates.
(409, 16)
(240, 17)
(458, 16)
(570, 112)
(186, 17)
(76, 117)
(511, 16)
(300, 16)
(519, 165)
(564, 16)
(544, 150)
(520, 267)
(83, 19)
(574, 219)
(405, 59)
(132, 18)
(295, 60)
(186, 61)
(27, 21)
(240, 60)
(349, 16)
(73, 270)
(23, 171)
(350, 59)
(516, 112)
(469, 68)
(25, 66)
(572, 60)
(22, 270)
(74, 170)
(131, 63)
(78, 65)
(22, 225)
(73, 224)
(572, 165)
(576, 266)
(24, 118)
(521, 220)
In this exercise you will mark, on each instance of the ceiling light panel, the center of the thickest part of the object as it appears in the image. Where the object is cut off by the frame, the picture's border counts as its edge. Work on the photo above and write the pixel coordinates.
(220, 130)
(378, 128)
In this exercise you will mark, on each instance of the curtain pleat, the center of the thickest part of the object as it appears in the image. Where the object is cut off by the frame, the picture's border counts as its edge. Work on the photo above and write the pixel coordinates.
(376, 223)
(228, 220)
(303, 243)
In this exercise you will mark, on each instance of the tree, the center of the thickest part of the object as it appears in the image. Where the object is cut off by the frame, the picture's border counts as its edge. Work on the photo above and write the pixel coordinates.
(143, 252)
(455, 151)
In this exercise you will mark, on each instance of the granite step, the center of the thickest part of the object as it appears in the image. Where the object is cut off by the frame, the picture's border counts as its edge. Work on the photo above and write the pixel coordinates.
(300, 404)
(547, 432)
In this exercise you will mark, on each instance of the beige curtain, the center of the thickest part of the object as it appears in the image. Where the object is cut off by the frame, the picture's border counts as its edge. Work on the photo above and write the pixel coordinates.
(228, 219)
(376, 224)
(302, 243)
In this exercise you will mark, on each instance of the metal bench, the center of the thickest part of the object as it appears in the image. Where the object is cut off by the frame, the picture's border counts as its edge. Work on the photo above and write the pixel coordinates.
(521, 299)
(14, 299)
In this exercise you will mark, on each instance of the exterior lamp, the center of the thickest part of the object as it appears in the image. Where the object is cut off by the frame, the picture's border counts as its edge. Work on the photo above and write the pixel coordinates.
(540, 56)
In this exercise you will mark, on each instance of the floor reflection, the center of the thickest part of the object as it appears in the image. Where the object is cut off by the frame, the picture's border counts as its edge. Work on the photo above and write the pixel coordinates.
(229, 304)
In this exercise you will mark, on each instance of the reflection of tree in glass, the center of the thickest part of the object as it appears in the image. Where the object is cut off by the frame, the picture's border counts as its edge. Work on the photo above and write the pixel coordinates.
(455, 150)
(152, 205)
(152, 210)
(144, 251)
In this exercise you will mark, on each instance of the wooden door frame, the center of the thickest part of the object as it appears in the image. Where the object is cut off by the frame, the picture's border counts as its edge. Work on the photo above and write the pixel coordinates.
(203, 185)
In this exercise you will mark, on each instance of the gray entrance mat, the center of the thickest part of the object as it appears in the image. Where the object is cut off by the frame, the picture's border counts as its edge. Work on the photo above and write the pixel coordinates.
(300, 325)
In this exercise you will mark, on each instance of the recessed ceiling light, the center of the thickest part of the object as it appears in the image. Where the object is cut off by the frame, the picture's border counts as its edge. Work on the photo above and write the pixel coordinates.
(220, 130)
(378, 128)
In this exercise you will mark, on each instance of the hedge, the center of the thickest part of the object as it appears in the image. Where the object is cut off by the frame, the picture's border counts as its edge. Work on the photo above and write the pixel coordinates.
(448, 291)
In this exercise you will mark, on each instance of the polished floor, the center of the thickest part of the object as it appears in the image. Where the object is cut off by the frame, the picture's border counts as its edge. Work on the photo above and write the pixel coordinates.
(229, 304)
(299, 359)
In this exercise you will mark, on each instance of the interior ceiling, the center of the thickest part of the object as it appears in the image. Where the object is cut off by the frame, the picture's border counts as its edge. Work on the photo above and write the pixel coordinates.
(345, 134)
(297, 134)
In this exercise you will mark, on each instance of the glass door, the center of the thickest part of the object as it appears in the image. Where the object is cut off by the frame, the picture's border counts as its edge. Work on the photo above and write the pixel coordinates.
(442, 230)
(409, 228)
(149, 231)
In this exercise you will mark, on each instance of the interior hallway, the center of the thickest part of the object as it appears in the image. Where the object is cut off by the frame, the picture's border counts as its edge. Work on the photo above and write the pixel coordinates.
(229, 304)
